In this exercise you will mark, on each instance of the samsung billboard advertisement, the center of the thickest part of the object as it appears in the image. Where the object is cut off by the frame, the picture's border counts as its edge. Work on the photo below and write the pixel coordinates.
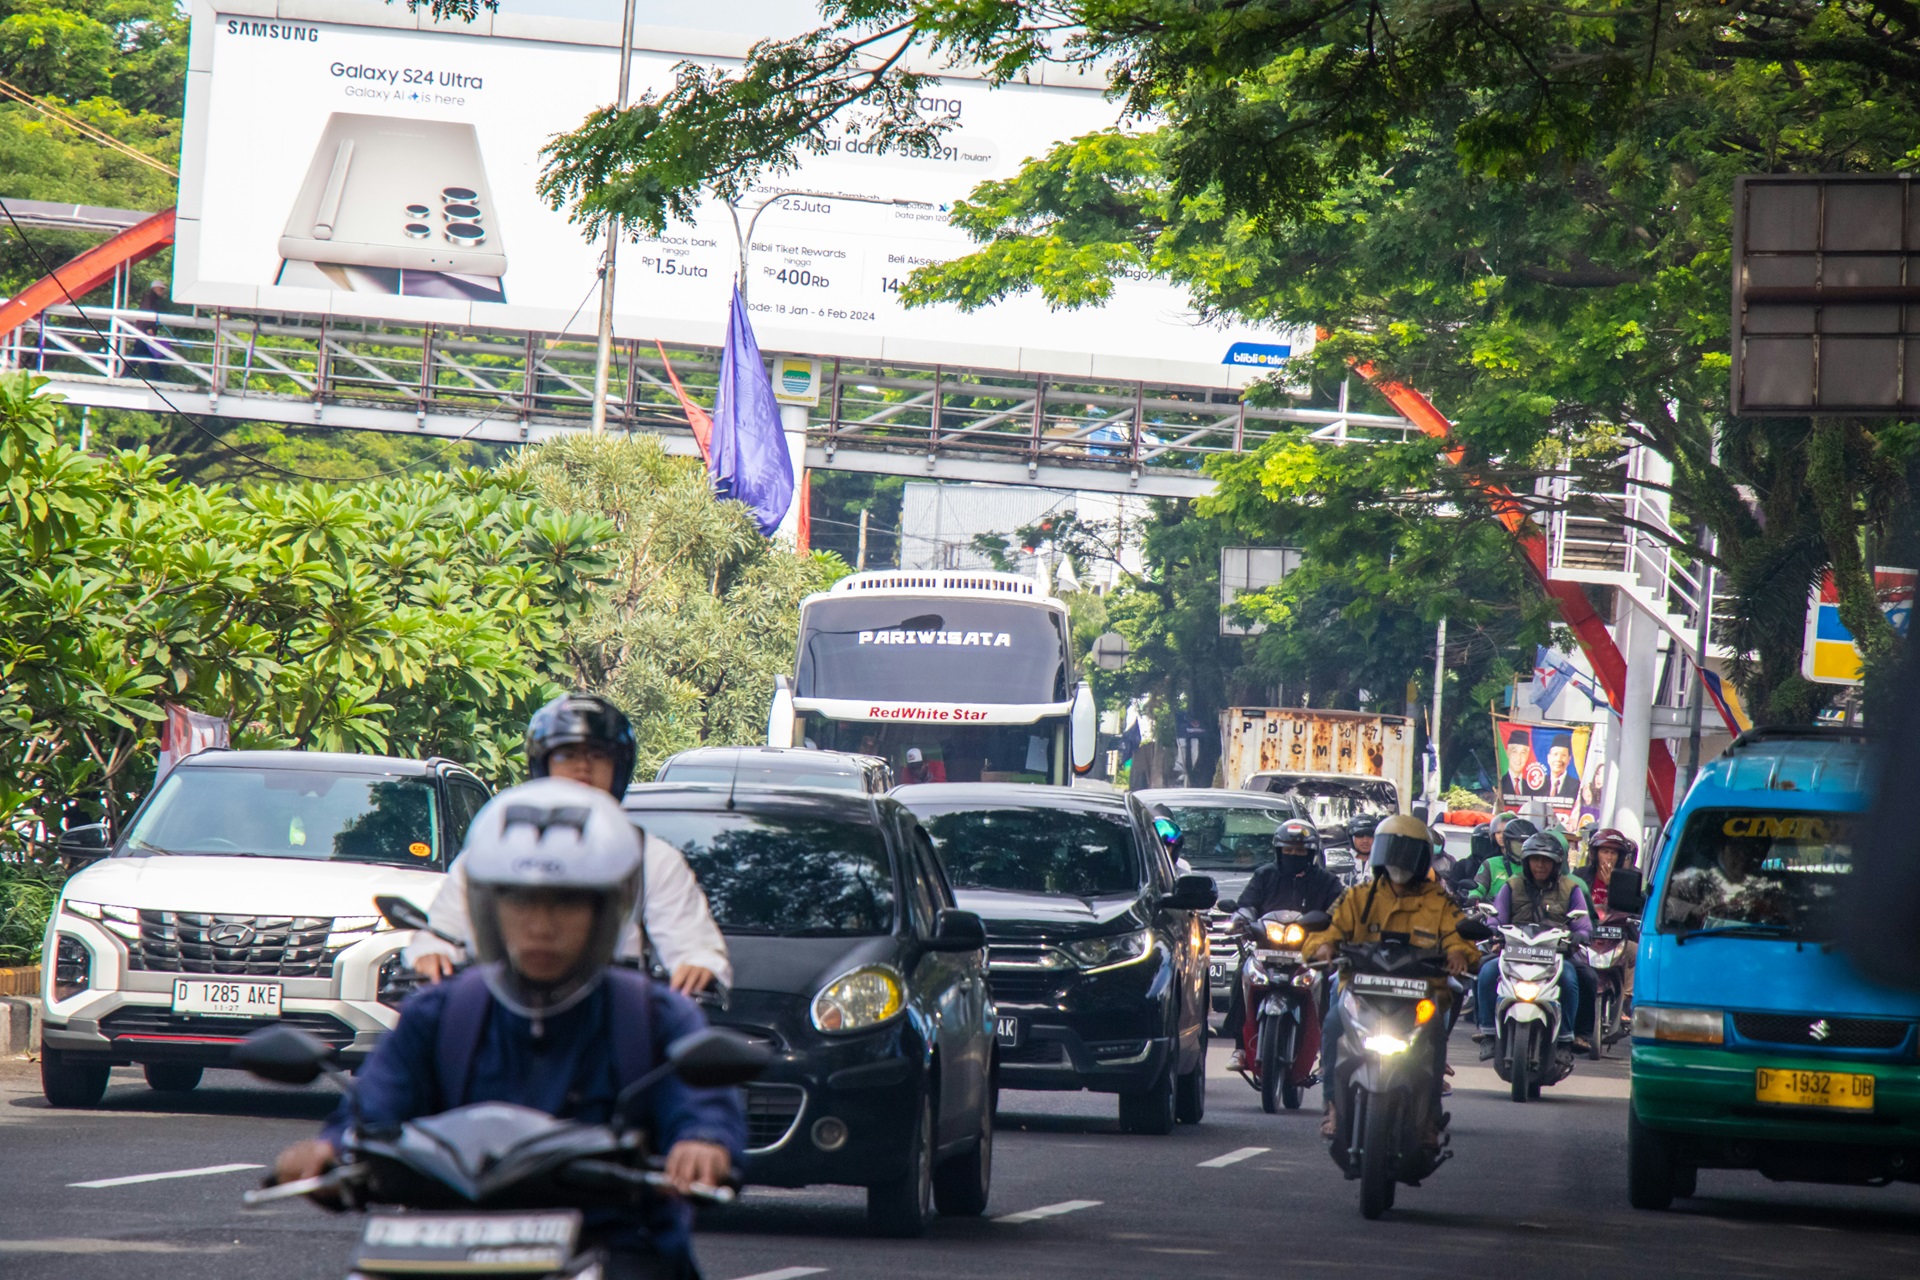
(350, 158)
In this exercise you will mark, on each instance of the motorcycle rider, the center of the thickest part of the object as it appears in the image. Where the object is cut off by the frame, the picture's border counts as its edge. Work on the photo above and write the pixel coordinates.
(1609, 850)
(1360, 835)
(1402, 897)
(587, 739)
(1504, 865)
(553, 870)
(1293, 881)
(1543, 894)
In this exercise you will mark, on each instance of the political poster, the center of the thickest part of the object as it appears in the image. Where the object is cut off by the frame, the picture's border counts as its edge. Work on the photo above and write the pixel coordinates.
(1540, 763)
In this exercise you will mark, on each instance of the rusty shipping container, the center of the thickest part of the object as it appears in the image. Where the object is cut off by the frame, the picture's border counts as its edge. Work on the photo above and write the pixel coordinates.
(1306, 743)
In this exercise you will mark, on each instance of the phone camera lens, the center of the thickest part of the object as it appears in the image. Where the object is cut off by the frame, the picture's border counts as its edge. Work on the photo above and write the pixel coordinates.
(418, 230)
(417, 211)
(460, 195)
(466, 234)
(462, 213)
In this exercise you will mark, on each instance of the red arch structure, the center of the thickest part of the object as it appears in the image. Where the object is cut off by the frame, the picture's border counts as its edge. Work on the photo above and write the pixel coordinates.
(88, 271)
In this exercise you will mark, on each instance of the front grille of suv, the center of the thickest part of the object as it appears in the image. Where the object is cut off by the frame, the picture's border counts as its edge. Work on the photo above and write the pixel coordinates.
(151, 1023)
(241, 946)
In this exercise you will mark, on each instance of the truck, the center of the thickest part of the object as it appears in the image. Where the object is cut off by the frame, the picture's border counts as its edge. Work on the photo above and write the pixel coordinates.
(1335, 763)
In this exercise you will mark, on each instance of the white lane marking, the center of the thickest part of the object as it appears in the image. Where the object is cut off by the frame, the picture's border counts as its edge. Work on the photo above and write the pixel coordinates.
(785, 1273)
(82, 1244)
(162, 1177)
(1233, 1157)
(1048, 1211)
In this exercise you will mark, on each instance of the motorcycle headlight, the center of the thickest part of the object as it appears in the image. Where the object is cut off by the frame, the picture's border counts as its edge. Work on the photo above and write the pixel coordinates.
(1528, 991)
(1094, 954)
(1285, 935)
(863, 998)
(1384, 1045)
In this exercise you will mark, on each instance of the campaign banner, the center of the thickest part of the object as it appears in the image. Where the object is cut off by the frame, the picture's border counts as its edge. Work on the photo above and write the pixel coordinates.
(1828, 654)
(1540, 763)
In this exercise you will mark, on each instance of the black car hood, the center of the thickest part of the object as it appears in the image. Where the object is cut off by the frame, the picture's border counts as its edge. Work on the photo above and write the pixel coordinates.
(801, 966)
(1010, 914)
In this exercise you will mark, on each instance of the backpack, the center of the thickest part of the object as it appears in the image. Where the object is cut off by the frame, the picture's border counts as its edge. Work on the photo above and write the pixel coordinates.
(463, 1021)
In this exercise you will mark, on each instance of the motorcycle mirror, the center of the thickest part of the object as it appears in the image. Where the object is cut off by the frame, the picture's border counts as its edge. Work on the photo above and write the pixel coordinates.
(400, 913)
(1314, 921)
(1227, 905)
(1473, 930)
(1625, 891)
(714, 1059)
(283, 1054)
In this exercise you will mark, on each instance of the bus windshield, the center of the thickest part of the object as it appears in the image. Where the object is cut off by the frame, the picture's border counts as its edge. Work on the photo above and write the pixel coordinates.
(890, 649)
(934, 752)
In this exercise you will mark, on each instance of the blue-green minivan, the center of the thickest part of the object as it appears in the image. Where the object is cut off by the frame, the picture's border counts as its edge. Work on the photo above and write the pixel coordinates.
(1756, 1045)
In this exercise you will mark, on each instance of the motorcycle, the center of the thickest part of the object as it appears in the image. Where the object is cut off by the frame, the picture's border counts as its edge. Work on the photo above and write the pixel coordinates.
(1608, 953)
(1384, 1092)
(490, 1187)
(1278, 990)
(1528, 1055)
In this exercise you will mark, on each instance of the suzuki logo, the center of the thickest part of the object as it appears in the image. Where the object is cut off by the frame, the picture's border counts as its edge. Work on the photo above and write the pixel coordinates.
(1820, 1030)
(231, 935)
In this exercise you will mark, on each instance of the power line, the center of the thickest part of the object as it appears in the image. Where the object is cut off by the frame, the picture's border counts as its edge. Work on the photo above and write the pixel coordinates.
(84, 129)
(197, 425)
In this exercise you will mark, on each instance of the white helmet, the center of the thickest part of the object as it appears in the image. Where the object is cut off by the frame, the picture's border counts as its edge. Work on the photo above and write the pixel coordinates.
(550, 836)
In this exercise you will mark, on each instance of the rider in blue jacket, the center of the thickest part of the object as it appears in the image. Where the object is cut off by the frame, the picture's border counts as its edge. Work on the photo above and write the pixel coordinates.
(544, 1022)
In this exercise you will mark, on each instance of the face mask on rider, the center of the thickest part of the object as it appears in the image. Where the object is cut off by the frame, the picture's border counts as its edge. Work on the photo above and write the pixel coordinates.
(1401, 876)
(1293, 864)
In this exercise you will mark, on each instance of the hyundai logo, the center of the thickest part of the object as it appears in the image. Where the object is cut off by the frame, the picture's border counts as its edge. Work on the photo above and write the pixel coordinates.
(1820, 1030)
(231, 935)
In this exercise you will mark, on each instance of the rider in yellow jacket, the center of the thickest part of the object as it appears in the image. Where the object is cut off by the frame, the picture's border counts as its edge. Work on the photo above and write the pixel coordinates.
(1403, 897)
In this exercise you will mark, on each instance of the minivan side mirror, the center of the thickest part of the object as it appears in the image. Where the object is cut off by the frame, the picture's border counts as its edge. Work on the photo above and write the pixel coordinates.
(1192, 893)
(957, 931)
(1626, 892)
(86, 842)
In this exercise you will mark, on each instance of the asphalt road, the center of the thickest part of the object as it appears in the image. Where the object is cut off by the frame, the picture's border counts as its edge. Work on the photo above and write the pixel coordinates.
(1536, 1190)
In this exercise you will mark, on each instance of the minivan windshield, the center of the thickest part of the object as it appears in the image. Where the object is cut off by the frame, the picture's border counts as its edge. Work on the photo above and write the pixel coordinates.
(787, 874)
(313, 814)
(1067, 852)
(1775, 872)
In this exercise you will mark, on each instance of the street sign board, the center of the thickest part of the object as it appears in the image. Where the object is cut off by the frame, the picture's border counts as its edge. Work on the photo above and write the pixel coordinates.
(1244, 569)
(1828, 655)
(1826, 294)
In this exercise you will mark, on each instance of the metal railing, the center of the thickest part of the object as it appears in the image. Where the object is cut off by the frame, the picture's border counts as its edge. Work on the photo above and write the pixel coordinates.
(913, 411)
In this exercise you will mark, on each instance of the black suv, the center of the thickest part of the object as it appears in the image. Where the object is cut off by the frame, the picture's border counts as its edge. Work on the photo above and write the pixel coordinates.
(1098, 951)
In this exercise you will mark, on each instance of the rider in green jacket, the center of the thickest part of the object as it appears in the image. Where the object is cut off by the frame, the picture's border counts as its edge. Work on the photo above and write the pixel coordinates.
(1504, 865)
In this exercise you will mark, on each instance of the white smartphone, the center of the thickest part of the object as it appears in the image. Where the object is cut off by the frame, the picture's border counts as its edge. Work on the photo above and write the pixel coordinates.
(405, 194)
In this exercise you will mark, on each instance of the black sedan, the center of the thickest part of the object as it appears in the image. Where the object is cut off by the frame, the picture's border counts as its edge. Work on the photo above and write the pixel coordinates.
(852, 963)
(1099, 951)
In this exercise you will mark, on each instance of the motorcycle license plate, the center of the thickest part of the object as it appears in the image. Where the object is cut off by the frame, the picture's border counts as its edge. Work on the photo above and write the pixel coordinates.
(1216, 973)
(495, 1243)
(1840, 1090)
(1374, 984)
(1609, 933)
(1009, 1031)
(226, 999)
(1533, 955)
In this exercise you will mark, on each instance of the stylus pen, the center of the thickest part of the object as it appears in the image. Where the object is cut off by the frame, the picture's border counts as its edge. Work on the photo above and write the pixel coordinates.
(329, 210)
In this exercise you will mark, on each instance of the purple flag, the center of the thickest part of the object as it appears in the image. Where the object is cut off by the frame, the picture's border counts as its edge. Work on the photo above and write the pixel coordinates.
(749, 460)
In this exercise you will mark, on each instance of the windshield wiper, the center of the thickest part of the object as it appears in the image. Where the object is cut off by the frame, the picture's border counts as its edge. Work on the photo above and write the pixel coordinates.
(1749, 930)
(137, 843)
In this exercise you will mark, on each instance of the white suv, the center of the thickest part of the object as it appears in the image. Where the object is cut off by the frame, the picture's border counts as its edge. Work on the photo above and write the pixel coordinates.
(242, 892)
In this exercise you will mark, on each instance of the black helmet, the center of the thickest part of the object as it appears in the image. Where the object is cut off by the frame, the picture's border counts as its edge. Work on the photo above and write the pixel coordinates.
(1513, 838)
(1296, 834)
(1402, 849)
(582, 719)
(1543, 845)
(1362, 826)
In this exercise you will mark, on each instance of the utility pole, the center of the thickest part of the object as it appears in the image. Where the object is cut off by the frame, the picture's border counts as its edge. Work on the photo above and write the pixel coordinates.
(603, 361)
(860, 560)
(1439, 682)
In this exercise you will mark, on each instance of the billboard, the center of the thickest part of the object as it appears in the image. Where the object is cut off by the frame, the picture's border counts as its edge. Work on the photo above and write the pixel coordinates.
(1828, 654)
(1546, 763)
(383, 166)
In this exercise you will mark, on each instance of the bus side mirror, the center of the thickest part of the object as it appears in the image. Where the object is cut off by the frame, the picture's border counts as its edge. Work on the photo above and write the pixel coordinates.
(780, 717)
(1083, 726)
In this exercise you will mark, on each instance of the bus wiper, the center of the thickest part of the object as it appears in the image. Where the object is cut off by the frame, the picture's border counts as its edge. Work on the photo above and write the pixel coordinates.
(1749, 930)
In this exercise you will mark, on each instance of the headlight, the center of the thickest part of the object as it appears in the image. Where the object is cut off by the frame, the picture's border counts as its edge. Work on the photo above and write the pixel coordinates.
(123, 921)
(85, 910)
(1093, 954)
(1689, 1026)
(1528, 991)
(858, 1000)
(1385, 1045)
(1285, 935)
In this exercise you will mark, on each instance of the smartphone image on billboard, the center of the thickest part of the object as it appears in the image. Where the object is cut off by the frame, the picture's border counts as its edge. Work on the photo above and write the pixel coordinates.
(405, 195)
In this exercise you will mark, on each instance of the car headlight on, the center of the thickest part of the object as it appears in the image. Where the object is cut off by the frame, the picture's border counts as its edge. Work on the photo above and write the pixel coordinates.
(1528, 991)
(1285, 935)
(85, 910)
(865, 997)
(121, 921)
(1385, 1045)
(1094, 954)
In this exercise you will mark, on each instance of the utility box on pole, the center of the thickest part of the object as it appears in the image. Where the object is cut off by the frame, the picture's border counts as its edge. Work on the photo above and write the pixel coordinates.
(1826, 294)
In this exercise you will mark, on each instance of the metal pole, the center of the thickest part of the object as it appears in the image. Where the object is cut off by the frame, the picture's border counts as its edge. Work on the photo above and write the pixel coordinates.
(1699, 690)
(860, 560)
(1439, 681)
(603, 360)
